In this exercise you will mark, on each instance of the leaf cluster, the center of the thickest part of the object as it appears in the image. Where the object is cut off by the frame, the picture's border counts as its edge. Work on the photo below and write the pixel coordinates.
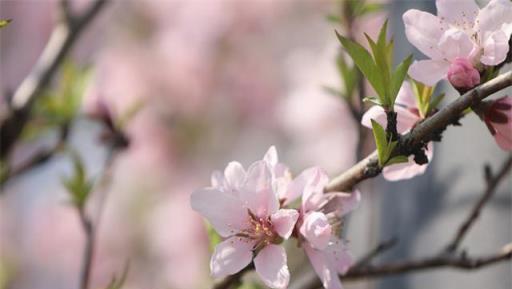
(385, 146)
(376, 66)
(426, 103)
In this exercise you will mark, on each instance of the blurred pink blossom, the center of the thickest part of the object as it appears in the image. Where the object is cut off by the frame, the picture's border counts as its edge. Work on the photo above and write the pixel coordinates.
(498, 119)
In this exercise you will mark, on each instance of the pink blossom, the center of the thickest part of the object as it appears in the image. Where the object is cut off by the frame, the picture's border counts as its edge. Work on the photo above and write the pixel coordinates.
(462, 74)
(244, 208)
(498, 119)
(319, 224)
(460, 30)
(408, 115)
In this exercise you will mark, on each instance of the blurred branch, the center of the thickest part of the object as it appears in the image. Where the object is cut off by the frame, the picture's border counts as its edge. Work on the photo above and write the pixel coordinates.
(422, 133)
(62, 39)
(492, 185)
(232, 280)
(38, 158)
(381, 248)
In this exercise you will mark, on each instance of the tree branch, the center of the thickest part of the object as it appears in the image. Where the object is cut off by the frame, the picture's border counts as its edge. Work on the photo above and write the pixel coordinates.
(63, 37)
(422, 133)
(492, 185)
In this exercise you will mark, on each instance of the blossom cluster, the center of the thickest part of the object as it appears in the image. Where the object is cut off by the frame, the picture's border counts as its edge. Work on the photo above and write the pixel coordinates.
(252, 209)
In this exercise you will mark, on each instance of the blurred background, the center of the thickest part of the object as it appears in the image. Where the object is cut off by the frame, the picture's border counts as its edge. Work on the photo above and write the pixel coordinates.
(201, 83)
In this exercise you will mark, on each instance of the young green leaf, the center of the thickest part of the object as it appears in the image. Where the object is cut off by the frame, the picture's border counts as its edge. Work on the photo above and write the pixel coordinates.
(213, 236)
(78, 185)
(349, 75)
(4, 22)
(365, 63)
(380, 141)
(398, 77)
(397, 160)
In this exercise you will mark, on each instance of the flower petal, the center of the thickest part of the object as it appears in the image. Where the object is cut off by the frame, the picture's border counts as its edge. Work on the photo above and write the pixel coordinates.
(429, 72)
(217, 180)
(493, 17)
(406, 97)
(495, 48)
(503, 135)
(339, 256)
(317, 230)
(257, 194)
(459, 13)
(405, 119)
(325, 271)
(424, 30)
(283, 221)
(456, 43)
(230, 256)
(407, 170)
(342, 203)
(224, 211)
(271, 157)
(271, 266)
(235, 175)
(313, 194)
(376, 113)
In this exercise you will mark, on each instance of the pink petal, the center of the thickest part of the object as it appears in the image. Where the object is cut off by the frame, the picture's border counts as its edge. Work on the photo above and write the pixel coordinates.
(339, 256)
(424, 30)
(313, 194)
(271, 157)
(271, 266)
(407, 170)
(405, 119)
(503, 135)
(343, 203)
(224, 211)
(493, 17)
(376, 113)
(457, 12)
(317, 230)
(257, 194)
(429, 72)
(296, 187)
(235, 175)
(456, 43)
(323, 268)
(495, 48)
(231, 256)
(283, 221)
(406, 97)
(217, 179)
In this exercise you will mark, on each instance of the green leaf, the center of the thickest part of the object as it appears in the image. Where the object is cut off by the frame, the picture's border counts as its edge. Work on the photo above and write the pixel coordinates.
(365, 63)
(397, 160)
(4, 22)
(213, 236)
(348, 74)
(333, 18)
(371, 8)
(78, 185)
(399, 76)
(381, 142)
(372, 99)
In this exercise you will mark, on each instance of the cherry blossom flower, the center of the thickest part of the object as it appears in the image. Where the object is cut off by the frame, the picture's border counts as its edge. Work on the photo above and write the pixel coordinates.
(408, 115)
(319, 224)
(498, 118)
(460, 31)
(244, 208)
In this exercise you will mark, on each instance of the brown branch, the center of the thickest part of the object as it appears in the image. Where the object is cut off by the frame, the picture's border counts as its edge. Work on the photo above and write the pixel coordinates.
(442, 261)
(64, 35)
(381, 248)
(88, 252)
(422, 133)
(492, 184)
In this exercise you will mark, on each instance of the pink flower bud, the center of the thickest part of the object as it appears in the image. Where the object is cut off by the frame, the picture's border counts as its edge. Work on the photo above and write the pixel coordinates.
(498, 118)
(462, 74)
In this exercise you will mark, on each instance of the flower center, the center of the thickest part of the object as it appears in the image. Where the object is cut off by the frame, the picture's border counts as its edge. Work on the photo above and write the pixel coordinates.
(261, 231)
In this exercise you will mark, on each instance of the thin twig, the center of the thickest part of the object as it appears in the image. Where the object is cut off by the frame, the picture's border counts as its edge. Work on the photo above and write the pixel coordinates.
(422, 133)
(492, 185)
(381, 248)
(88, 252)
(63, 37)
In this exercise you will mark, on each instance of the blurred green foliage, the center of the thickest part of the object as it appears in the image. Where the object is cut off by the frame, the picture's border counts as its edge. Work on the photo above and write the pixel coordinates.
(78, 184)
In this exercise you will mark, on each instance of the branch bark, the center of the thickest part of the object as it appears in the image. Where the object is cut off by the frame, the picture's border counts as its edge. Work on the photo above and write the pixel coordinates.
(64, 35)
(422, 133)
